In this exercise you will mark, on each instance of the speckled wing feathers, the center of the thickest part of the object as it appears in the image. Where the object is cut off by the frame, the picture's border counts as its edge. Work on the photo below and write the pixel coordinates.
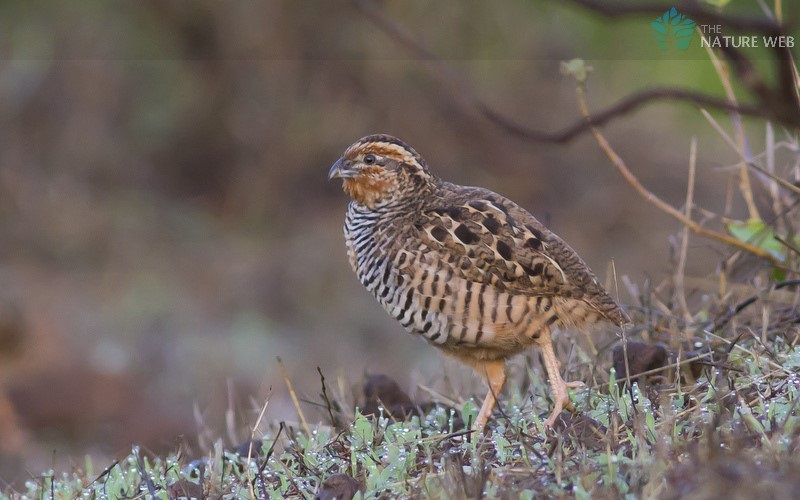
(489, 240)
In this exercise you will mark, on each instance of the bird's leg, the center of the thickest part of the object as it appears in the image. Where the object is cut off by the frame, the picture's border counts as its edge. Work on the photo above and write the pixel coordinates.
(557, 384)
(495, 374)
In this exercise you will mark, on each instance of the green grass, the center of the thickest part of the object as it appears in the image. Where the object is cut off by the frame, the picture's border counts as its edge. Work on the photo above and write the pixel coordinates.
(735, 429)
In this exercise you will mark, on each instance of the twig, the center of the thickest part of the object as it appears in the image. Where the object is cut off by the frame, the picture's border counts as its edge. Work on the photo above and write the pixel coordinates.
(264, 466)
(619, 163)
(747, 351)
(623, 106)
(680, 271)
(252, 437)
(788, 244)
(744, 178)
(783, 182)
(772, 187)
(623, 331)
(103, 474)
(450, 79)
(325, 397)
(781, 102)
(721, 322)
(271, 449)
(786, 184)
(678, 363)
(151, 487)
(293, 395)
(439, 439)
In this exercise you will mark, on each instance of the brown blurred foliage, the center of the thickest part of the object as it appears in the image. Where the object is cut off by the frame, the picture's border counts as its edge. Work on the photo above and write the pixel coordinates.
(166, 228)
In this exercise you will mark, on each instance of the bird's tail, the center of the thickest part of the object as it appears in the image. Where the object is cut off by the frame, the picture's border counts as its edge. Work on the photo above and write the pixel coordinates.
(611, 311)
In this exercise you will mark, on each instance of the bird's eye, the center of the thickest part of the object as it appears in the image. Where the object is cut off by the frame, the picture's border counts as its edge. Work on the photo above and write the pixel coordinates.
(369, 159)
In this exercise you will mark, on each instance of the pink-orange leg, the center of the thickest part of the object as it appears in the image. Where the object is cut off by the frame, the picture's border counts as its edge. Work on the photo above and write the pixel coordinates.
(557, 384)
(495, 374)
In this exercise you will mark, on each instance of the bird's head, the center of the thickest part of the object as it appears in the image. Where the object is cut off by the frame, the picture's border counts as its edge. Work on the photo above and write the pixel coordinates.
(380, 170)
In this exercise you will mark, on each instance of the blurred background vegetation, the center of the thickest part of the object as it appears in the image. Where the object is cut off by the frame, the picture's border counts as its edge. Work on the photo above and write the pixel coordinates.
(167, 229)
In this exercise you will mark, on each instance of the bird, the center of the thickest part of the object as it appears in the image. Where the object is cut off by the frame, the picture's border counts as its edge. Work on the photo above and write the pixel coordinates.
(469, 270)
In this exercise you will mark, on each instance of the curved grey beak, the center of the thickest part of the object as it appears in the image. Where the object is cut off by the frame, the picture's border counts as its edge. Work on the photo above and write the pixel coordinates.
(341, 169)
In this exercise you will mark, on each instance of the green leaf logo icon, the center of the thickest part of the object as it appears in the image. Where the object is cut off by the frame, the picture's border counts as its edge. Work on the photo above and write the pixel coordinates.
(673, 29)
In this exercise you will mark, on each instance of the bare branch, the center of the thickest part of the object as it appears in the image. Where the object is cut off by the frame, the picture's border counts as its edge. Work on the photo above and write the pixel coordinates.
(741, 139)
(452, 80)
(783, 103)
(648, 195)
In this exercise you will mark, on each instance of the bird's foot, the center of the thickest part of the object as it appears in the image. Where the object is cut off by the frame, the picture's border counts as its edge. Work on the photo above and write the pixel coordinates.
(561, 399)
(551, 420)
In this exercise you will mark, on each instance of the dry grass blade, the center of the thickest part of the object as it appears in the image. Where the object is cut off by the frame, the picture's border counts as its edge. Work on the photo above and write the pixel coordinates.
(148, 481)
(252, 438)
(293, 395)
(680, 271)
(741, 142)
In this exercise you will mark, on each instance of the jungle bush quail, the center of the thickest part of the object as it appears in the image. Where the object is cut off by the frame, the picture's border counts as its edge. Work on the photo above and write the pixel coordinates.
(469, 270)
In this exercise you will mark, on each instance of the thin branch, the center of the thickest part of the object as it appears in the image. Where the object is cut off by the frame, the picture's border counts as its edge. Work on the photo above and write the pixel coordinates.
(623, 169)
(680, 271)
(293, 395)
(460, 87)
(625, 105)
(720, 322)
(251, 481)
(744, 177)
(784, 101)
(143, 473)
(327, 400)
(783, 182)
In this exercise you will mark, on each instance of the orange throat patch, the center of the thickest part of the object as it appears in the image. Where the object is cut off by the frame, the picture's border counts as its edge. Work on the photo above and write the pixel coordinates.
(368, 188)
